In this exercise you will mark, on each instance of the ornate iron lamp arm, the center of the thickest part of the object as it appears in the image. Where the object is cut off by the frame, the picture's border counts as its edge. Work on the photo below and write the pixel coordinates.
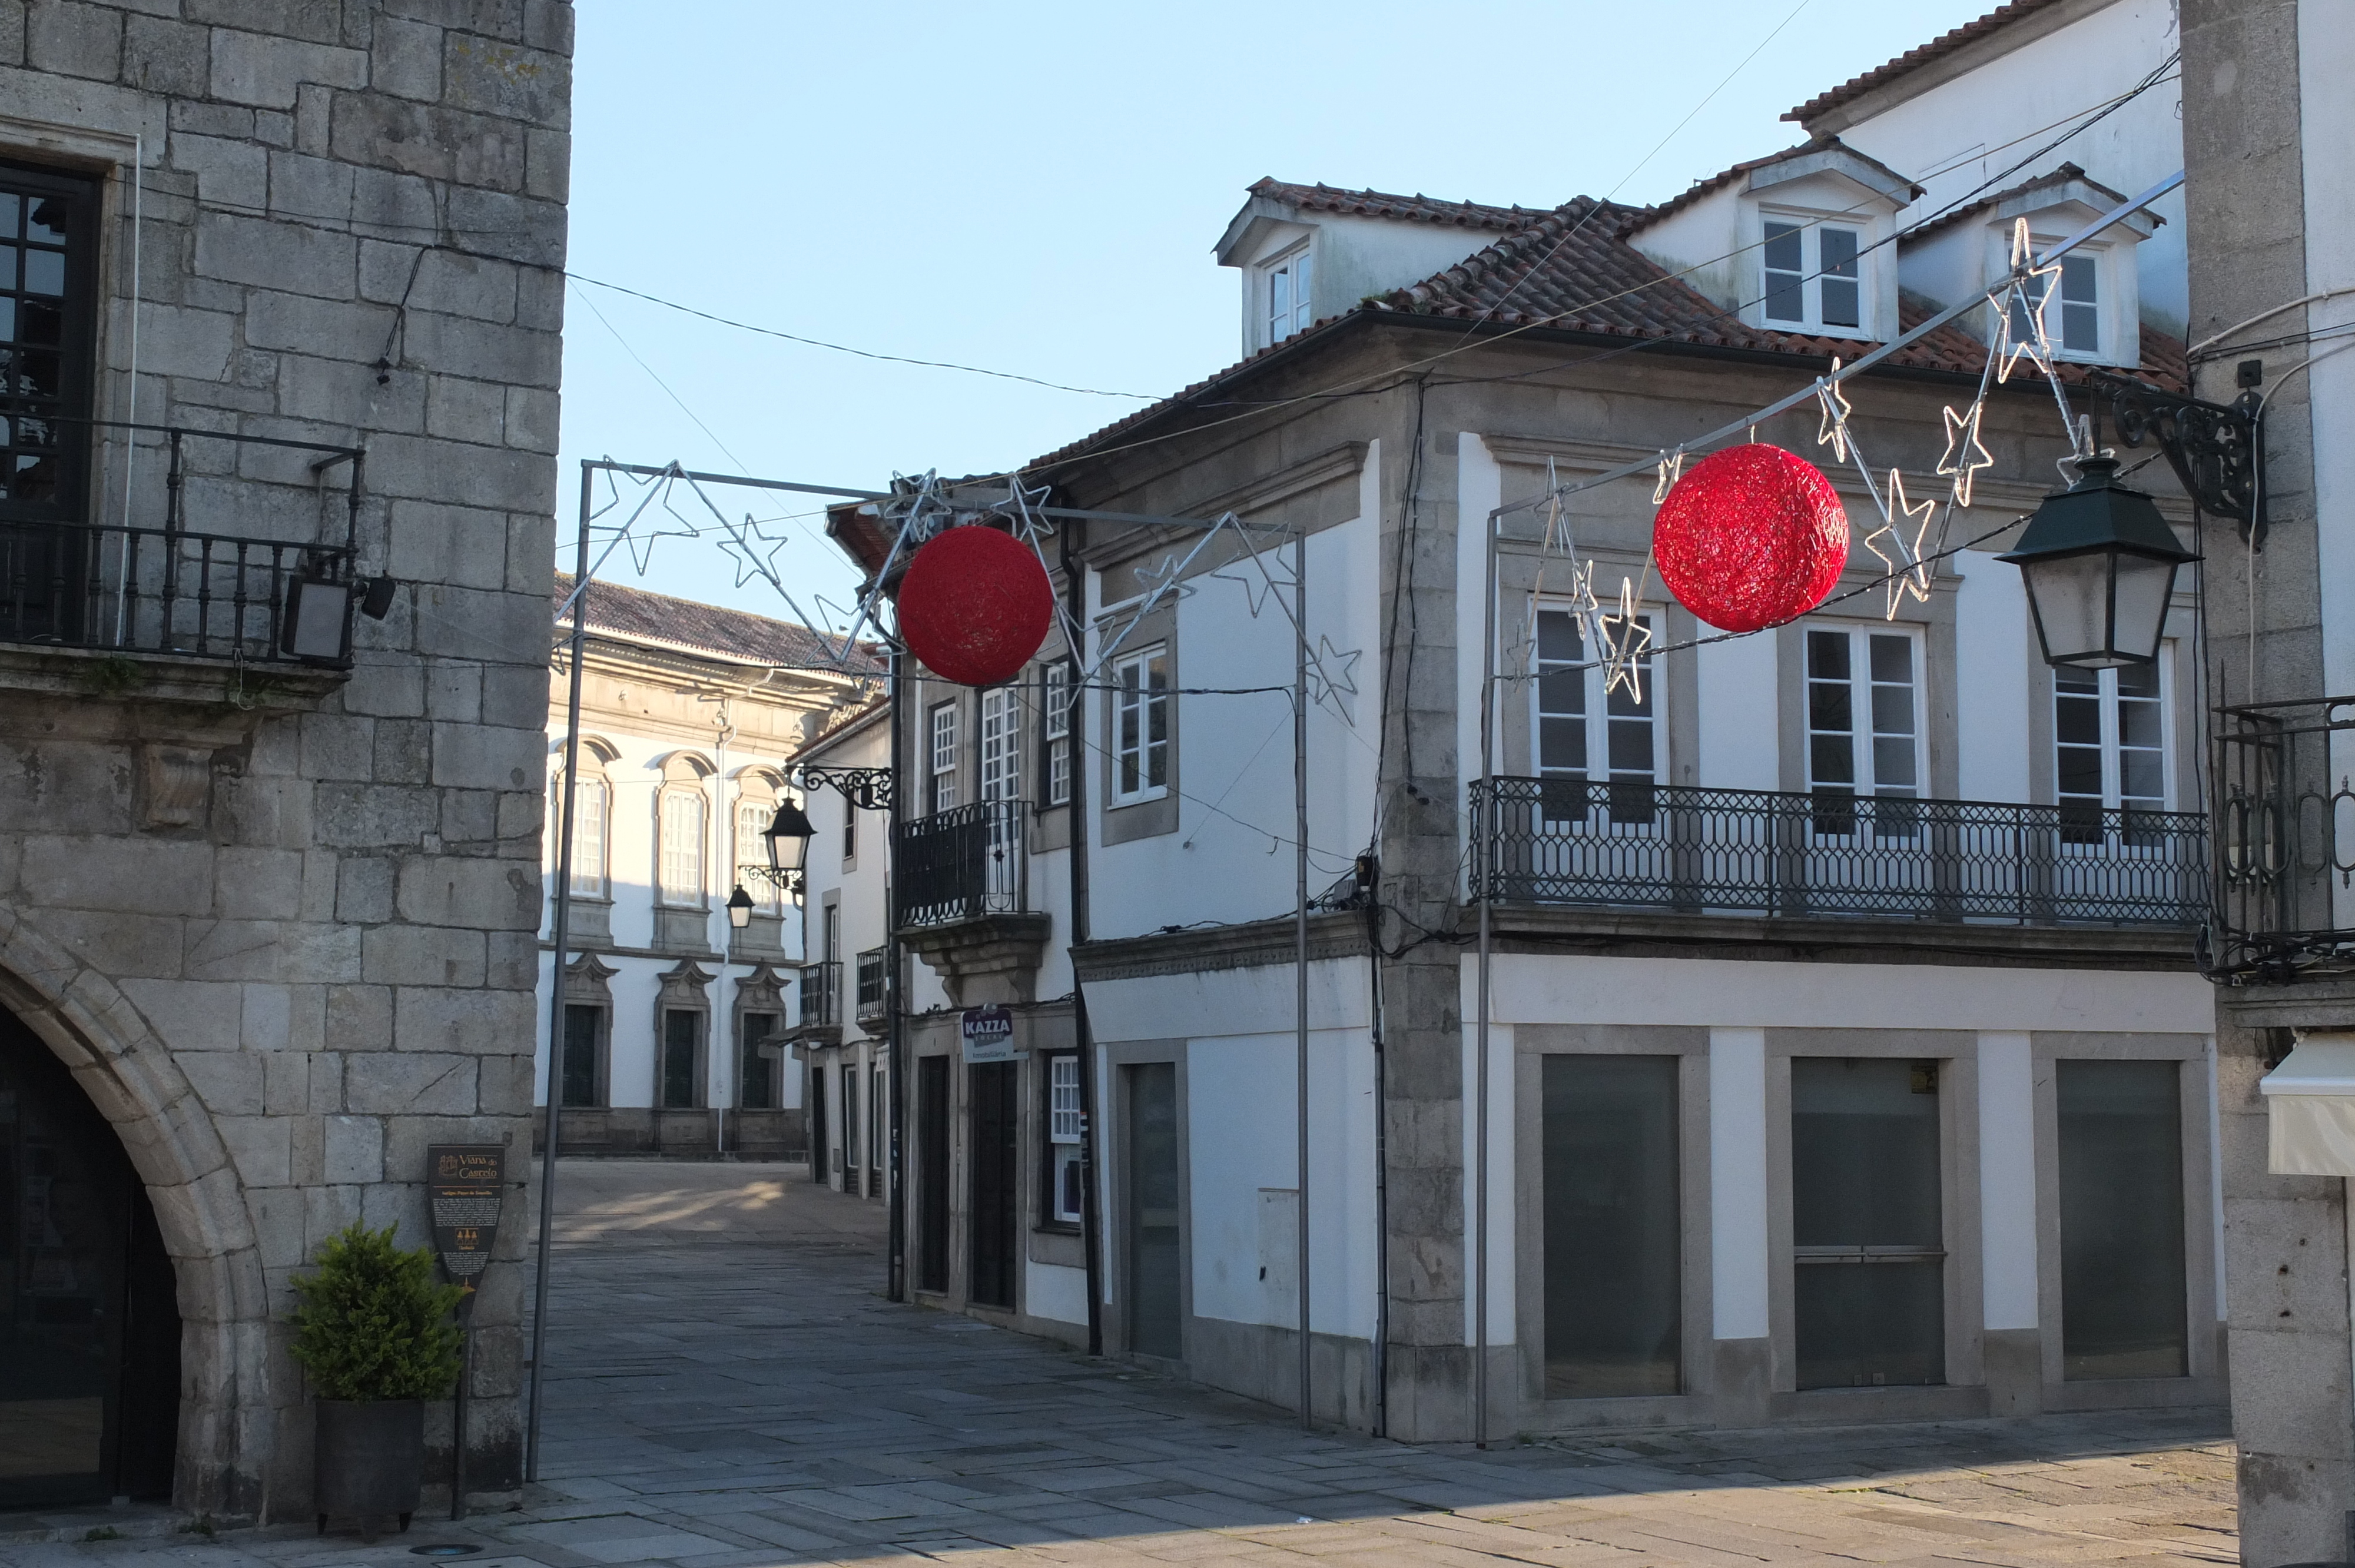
(2217, 450)
(869, 789)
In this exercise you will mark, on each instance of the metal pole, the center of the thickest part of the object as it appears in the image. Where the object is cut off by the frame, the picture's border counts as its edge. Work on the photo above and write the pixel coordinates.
(458, 1416)
(895, 1044)
(1074, 722)
(1483, 828)
(562, 935)
(1300, 921)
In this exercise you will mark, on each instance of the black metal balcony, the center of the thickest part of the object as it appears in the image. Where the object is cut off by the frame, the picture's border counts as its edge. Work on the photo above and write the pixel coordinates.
(2284, 842)
(964, 864)
(821, 992)
(147, 591)
(874, 985)
(1697, 851)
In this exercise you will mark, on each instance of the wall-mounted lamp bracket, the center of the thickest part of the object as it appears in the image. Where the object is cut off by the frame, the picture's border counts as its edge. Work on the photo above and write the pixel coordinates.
(2217, 450)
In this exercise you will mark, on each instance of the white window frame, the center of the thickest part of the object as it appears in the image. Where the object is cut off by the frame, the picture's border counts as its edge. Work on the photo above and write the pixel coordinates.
(593, 803)
(1597, 700)
(2112, 748)
(1055, 729)
(1864, 733)
(1295, 313)
(1001, 744)
(753, 815)
(2051, 298)
(1811, 275)
(1140, 689)
(1064, 1117)
(941, 756)
(670, 858)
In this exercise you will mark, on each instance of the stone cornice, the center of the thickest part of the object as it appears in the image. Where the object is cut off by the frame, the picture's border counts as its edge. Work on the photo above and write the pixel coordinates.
(1257, 944)
(1570, 931)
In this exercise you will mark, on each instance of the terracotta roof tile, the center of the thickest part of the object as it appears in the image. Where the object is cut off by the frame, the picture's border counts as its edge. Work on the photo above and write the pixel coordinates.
(1701, 188)
(1412, 208)
(1915, 58)
(1570, 271)
(698, 628)
(2058, 177)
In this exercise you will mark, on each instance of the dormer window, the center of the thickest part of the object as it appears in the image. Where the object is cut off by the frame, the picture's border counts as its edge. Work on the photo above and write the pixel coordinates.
(1290, 285)
(1833, 286)
(2073, 321)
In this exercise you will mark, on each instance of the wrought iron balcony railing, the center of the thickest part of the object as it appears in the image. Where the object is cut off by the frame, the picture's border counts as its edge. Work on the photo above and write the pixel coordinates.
(962, 863)
(2285, 839)
(821, 995)
(149, 590)
(1565, 841)
(874, 985)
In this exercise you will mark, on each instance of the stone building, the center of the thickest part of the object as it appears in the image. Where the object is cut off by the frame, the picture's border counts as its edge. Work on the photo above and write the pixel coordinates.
(676, 1018)
(275, 670)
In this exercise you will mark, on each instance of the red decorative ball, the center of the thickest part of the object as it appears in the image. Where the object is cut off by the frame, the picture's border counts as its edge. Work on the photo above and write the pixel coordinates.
(976, 605)
(1751, 537)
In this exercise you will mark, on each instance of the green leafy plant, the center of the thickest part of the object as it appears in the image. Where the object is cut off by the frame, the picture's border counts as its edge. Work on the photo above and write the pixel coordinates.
(371, 1323)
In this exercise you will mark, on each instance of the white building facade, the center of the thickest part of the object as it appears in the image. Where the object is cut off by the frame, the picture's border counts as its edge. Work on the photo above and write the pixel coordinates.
(1845, 1058)
(676, 1020)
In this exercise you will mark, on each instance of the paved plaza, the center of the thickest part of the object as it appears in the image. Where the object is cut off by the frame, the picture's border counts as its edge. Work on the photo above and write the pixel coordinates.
(730, 1390)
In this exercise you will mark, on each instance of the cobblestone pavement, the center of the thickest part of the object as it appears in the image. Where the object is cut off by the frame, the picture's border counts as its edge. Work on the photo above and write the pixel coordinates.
(730, 1391)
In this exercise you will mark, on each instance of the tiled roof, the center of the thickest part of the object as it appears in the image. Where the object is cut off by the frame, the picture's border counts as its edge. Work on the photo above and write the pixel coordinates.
(1914, 59)
(2064, 174)
(1701, 188)
(696, 628)
(1412, 208)
(843, 721)
(1570, 271)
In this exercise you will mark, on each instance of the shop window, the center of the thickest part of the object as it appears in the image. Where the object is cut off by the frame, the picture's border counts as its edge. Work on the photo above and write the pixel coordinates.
(2122, 1262)
(1613, 1284)
(1869, 1263)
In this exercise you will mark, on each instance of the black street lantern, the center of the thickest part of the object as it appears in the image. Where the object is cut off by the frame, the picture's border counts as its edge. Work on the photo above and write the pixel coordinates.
(789, 835)
(2099, 563)
(740, 908)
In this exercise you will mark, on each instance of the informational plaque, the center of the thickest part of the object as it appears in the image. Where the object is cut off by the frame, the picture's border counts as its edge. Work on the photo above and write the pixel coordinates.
(988, 1034)
(464, 1181)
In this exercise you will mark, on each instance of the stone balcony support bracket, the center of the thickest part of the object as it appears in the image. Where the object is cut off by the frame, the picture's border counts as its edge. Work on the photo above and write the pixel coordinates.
(983, 959)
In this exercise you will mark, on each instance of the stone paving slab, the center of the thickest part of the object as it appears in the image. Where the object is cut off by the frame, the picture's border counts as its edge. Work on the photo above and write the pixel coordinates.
(727, 1388)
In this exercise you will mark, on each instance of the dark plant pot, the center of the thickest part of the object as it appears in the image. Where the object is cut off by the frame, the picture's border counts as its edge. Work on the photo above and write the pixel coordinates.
(368, 1458)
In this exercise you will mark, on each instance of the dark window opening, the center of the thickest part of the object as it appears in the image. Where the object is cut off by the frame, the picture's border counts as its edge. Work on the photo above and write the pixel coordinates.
(1154, 1231)
(1869, 1275)
(681, 1045)
(583, 1024)
(2122, 1267)
(1613, 1284)
(757, 1086)
(996, 1156)
(932, 1173)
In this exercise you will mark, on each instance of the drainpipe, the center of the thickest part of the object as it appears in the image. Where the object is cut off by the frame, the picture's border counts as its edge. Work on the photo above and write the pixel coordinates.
(1091, 1216)
(896, 1037)
(721, 839)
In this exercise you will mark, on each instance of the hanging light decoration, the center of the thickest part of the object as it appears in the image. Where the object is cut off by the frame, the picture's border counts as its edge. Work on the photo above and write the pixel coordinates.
(976, 605)
(1750, 537)
(2099, 563)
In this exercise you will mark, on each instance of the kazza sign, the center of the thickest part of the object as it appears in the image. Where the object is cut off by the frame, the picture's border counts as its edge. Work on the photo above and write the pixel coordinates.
(988, 1034)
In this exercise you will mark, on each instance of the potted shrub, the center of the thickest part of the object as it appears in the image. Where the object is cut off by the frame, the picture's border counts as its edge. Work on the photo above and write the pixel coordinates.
(374, 1333)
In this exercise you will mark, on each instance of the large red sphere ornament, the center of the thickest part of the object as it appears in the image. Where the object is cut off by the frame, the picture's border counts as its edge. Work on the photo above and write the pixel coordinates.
(976, 605)
(1750, 537)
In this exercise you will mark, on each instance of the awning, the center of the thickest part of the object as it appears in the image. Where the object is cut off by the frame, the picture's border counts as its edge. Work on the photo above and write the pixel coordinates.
(2310, 1106)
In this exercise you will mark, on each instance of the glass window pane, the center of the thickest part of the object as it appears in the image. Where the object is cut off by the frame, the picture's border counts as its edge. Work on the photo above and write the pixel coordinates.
(2140, 778)
(9, 206)
(2077, 721)
(1561, 746)
(1831, 760)
(1839, 248)
(1783, 247)
(2137, 723)
(2134, 680)
(45, 271)
(1864, 1174)
(1843, 304)
(1893, 659)
(1613, 1301)
(1893, 763)
(1827, 655)
(2077, 274)
(7, 266)
(45, 220)
(1563, 692)
(2079, 772)
(2121, 1268)
(1631, 746)
(1558, 638)
(1893, 709)
(2081, 329)
(1828, 707)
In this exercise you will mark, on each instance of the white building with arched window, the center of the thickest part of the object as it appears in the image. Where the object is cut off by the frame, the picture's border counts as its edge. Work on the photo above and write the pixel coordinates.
(673, 1019)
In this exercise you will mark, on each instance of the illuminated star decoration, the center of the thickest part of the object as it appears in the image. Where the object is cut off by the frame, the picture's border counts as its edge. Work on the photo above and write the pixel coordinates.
(2024, 302)
(743, 542)
(1908, 572)
(1625, 639)
(1965, 454)
(1257, 578)
(1672, 469)
(1162, 582)
(1834, 430)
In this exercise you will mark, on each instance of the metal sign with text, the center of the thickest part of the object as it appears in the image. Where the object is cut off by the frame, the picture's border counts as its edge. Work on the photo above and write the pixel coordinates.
(463, 1181)
(987, 1032)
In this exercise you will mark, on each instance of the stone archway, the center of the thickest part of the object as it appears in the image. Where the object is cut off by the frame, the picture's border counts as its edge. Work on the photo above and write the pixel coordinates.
(131, 1076)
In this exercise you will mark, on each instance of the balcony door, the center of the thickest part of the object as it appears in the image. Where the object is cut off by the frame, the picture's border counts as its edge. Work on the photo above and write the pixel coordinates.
(1866, 766)
(1596, 825)
(1869, 1252)
(994, 1163)
(48, 240)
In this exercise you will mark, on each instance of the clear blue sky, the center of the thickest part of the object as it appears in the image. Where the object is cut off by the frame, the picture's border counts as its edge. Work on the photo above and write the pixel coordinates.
(1036, 188)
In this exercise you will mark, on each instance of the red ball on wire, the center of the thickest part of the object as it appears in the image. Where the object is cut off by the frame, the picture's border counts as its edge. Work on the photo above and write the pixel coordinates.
(1750, 537)
(976, 605)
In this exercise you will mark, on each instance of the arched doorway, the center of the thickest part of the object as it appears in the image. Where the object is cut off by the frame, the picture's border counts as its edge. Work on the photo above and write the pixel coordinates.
(89, 1325)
